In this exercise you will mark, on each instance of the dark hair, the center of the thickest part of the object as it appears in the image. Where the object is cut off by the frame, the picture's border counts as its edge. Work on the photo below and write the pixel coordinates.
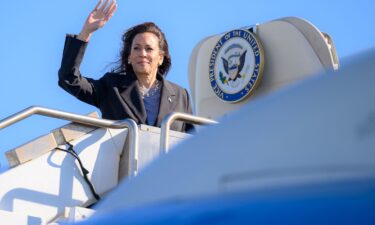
(127, 40)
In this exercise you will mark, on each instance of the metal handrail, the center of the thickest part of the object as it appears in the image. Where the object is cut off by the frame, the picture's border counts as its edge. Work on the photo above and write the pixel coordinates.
(170, 118)
(119, 124)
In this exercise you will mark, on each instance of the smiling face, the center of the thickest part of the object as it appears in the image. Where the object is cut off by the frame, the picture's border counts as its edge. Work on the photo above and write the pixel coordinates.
(145, 54)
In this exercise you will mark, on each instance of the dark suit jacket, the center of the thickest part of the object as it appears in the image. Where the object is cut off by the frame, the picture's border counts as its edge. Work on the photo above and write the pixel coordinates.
(117, 95)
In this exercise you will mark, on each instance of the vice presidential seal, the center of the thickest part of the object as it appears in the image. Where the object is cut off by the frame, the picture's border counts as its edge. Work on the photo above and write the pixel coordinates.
(236, 65)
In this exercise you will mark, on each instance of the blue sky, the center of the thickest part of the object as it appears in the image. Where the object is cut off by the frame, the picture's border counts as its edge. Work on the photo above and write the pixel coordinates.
(33, 34)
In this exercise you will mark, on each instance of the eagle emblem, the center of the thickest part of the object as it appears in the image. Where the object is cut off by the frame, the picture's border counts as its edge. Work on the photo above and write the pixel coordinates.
(234, 65)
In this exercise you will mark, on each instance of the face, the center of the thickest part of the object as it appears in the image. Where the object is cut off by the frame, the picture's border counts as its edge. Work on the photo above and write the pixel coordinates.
(145, 55)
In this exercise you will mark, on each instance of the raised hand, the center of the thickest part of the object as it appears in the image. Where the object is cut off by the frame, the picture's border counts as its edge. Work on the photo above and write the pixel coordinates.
(101, 14)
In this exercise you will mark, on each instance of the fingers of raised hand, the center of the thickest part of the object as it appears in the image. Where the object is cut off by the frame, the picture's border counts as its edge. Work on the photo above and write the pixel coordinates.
(103, 7)
(108, 13)
(97, 6)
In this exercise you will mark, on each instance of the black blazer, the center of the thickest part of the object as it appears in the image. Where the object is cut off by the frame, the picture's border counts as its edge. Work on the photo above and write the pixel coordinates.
(117, 95)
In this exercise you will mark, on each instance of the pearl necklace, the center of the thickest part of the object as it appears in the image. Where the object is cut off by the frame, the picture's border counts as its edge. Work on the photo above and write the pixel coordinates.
(151, 91)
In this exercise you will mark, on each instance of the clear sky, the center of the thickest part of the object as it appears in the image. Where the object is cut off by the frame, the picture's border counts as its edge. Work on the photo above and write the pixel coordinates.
(33, 33)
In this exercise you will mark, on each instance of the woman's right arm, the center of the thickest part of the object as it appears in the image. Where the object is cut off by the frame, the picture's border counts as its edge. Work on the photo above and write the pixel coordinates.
(101, 14)
(70, 78)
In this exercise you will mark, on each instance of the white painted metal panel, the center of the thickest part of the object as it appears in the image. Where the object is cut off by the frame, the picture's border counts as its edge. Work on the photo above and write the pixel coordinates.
(294, 50)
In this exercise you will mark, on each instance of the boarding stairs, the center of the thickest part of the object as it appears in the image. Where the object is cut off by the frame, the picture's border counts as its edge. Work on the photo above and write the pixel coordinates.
(44, 181)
